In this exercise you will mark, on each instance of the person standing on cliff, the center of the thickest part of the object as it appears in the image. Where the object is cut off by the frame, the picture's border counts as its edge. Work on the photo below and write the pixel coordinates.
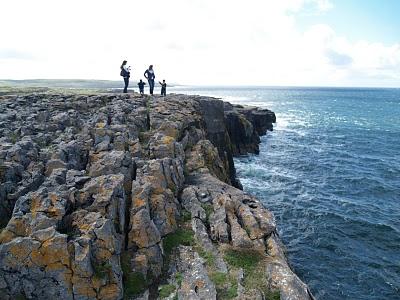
(125, 73)
(150, 76)
(141, 87)
(163, 88)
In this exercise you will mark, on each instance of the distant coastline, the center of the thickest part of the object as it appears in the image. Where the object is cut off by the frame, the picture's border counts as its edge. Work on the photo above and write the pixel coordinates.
(116, 84)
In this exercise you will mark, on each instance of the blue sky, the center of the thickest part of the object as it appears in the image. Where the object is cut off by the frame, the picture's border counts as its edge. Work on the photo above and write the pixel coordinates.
(205, 42)
(369, 20)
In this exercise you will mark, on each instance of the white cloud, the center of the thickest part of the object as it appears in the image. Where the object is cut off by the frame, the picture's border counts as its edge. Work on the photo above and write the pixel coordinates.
(188, 41)
(323, 5)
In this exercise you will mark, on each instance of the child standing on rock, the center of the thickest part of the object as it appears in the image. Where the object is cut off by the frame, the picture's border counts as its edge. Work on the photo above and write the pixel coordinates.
(141, 87)
(163, 88)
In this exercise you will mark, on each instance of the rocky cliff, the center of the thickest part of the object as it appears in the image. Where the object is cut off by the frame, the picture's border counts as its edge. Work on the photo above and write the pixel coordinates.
(113, 196)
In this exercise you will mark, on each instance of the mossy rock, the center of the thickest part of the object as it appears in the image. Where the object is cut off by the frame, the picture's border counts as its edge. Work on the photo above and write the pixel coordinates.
(102, 270)
(134, 282)
(166, 290)
(181, 236)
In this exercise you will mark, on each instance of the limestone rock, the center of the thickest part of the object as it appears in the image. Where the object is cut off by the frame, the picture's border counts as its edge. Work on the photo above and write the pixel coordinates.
(89, 179)
(195, 283)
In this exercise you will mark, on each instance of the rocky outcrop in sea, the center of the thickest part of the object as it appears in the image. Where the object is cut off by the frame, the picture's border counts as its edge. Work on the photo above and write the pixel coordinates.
(111, 196)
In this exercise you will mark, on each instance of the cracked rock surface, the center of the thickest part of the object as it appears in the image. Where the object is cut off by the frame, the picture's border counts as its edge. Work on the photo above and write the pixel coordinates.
(111, 196)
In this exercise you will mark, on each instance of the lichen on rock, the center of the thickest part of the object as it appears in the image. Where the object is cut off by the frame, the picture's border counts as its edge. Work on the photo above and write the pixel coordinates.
(109, 196)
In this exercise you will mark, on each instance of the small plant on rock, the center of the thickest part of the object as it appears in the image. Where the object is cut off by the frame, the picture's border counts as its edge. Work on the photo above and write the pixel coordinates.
(181, 236)
(166, 290)
(134, 282)
(101, 270)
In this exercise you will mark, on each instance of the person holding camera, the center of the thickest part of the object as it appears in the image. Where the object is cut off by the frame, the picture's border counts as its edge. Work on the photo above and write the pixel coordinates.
(125, 73)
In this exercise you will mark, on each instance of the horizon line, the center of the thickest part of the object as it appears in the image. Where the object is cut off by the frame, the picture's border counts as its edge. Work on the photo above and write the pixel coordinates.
(216, 85)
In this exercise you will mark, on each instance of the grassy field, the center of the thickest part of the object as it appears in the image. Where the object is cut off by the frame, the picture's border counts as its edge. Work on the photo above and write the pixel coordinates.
(8, 87)
(65, 83)
(81, 86)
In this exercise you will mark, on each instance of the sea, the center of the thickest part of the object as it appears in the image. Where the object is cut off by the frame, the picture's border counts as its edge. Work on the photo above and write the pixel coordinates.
(330, 173)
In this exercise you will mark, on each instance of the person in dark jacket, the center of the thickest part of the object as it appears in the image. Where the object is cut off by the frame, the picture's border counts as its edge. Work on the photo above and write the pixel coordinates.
(163, 88)
(150, 76)
(141, 86)
(125, 73)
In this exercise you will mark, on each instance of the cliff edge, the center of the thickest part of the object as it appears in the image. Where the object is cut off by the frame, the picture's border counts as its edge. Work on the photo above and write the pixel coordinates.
(113, 196)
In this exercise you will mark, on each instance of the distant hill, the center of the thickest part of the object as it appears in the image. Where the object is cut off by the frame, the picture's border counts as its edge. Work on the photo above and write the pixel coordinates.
(70, 83)
(65, 83)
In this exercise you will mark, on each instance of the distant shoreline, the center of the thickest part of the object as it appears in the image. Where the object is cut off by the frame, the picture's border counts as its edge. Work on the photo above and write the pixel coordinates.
(115, 84)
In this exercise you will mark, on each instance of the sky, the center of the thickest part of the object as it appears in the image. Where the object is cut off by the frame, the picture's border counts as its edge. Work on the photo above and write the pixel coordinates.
(205, 42)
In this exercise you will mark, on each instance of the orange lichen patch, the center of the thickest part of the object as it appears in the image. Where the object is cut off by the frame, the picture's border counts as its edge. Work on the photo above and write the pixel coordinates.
(103, 254)
(156, 183)
(6, 236)
(97, 282)
(35, 204)
(55, 266)
(85, 227)
(169, 130)
(54, 210)
(109, 292)
(200, 283)
(53, 198)
(18, 252)
(167, 139)
(53, 254)
(171, 216)
(157, 200)
(100, 125)
(84, 288)
(15, 227)
(139, 202)
(95, 157)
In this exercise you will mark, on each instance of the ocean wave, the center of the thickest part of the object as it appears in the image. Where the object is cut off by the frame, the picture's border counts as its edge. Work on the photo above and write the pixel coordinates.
(329, 171)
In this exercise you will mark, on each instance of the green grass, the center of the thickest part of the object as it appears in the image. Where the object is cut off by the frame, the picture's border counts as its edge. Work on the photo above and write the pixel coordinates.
(273, 295)
(225, 285)
(14, 137)
(208, 208)
(20, 297)
(166, 290)
(245, 259)
(178, 278)
(254, 272)
(144, 137)
(181, 236)
(134, 282)
(101, 270)
(219, 278)
(231, 292)
(185, 216)
(208, 256)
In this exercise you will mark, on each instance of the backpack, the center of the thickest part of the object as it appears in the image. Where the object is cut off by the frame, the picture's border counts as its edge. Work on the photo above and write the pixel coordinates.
(123, 72)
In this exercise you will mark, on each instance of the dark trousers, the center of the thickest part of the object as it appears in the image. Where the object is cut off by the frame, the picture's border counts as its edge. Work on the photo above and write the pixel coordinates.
(126, 80)
(151, 86)
(163, 92)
